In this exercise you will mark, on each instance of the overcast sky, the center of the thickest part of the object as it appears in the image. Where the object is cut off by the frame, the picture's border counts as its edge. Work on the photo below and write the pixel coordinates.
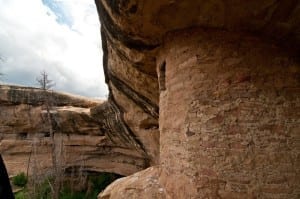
(61, 37)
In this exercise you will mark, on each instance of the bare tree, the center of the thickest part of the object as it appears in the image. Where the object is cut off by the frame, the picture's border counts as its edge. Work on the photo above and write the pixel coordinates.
(45, 84)
(47, 98)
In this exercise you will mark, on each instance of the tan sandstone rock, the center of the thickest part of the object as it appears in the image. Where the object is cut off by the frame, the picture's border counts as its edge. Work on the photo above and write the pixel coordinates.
(144, 184)
(205, 91)
(26, 144)
(218, 83)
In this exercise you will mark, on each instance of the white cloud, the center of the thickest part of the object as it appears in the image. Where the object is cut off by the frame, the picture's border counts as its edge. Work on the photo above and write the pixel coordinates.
(32, 40)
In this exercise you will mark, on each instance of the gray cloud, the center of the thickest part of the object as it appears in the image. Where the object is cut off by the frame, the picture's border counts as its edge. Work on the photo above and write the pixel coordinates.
(31, 40)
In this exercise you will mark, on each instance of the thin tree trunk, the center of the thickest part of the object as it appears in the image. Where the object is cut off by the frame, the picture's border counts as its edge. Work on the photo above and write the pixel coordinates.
(28, 163)
(46, 84)
(56, 186)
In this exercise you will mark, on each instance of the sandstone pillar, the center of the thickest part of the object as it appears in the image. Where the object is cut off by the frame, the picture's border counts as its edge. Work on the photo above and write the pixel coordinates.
(229, 117)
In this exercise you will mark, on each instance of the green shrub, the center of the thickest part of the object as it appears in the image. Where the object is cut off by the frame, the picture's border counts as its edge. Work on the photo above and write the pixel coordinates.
(100, 182)
(20, 180)
(20, 195)
(43, 190)
(66, 194)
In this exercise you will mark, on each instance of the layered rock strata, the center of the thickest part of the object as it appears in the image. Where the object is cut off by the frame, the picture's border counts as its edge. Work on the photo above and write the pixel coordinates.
(82, 140)
(220, 80)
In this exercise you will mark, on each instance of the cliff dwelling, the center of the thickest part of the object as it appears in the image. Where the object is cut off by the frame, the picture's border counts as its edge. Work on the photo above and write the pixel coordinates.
(204, 101)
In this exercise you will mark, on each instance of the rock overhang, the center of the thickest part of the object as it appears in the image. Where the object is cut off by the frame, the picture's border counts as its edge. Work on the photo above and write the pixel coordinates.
(142, 24)
(136, 34)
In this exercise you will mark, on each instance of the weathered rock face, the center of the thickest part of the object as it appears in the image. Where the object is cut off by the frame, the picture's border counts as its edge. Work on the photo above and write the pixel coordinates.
(26, 143)
(144, 183)
(142, 25)
(225, 77)
(236, 134)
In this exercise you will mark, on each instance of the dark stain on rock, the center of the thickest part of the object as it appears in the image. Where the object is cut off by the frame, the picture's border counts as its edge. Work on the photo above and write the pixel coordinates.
(110, 117)
(114, 5)
(190, 133)
(120, 7)
(110, 27)
(105, 54)
(139, 65)
(133, 9)
(143, 102)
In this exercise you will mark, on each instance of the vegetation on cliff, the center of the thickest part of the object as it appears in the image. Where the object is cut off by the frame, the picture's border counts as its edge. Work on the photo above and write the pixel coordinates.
(90, 187)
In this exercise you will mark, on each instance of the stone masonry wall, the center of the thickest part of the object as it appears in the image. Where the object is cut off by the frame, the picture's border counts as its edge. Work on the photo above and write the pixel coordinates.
(229, 117)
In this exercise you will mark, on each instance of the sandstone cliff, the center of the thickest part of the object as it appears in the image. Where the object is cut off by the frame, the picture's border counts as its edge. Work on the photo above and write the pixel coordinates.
(205, 93)
(25, 139)
(209, 91)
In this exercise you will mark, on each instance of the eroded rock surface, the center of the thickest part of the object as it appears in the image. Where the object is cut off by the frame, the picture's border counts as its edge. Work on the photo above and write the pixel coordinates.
(236, 134)
(220, 80)
(143, 184)
(26, 143)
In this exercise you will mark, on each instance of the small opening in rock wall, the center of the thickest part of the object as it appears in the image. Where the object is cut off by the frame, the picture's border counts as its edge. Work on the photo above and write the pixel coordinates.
(162, 76)
(22, 135)
(46, 134)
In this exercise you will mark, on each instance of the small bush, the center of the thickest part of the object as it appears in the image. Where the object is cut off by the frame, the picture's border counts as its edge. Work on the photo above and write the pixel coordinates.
(66, 194)
(20, 180)
(44, 189)
(23, 194)
(101, 181)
